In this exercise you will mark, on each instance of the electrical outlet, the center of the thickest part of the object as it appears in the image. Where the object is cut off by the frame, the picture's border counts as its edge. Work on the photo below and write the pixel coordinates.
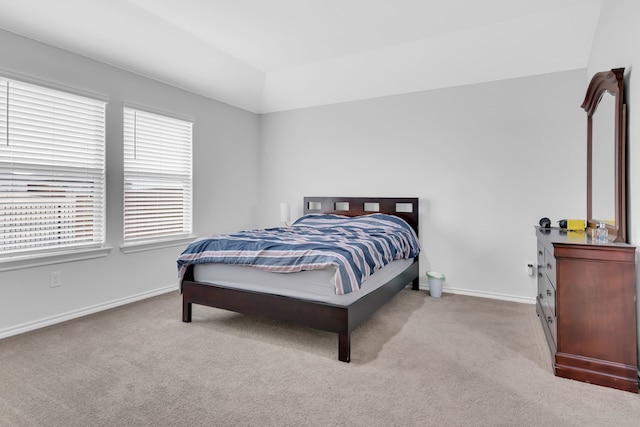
(528, 270)
(55, 279)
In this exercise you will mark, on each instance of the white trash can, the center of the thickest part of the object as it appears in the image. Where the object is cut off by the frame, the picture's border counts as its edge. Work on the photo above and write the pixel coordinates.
(435, 283)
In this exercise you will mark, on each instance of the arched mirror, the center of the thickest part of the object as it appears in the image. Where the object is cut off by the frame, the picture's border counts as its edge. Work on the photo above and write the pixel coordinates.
(606, 175)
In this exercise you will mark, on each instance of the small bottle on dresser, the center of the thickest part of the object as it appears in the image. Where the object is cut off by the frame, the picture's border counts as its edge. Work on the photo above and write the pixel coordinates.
(602, 233)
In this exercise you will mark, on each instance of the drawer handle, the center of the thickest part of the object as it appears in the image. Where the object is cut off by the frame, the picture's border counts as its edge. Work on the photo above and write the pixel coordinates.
(549, 266)
(539, 273)
(548, 292)
(539, 253)
(549, 319)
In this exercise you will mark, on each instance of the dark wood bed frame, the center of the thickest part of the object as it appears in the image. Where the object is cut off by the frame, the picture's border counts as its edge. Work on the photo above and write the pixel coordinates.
(317, 315)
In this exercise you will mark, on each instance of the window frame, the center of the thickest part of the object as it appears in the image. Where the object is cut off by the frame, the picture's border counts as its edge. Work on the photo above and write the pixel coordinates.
(148, 128)
(25, 109)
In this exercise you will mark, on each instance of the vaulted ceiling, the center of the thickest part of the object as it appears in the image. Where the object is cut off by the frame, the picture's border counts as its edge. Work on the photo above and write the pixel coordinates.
(273, 55)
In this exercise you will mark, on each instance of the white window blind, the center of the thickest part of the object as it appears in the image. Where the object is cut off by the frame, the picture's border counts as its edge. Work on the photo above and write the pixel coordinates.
(157, 176)
(52, 169)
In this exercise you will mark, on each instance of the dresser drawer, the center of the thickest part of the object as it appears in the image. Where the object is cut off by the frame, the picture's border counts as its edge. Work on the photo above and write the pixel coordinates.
(547, 299)
(550, 266)
(540, 256)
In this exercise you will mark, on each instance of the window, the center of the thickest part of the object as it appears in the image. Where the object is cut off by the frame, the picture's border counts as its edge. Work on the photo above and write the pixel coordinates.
(157, 176)
(52, 169)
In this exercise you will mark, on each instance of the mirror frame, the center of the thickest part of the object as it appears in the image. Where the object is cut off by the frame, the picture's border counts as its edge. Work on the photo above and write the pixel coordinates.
(611, 82)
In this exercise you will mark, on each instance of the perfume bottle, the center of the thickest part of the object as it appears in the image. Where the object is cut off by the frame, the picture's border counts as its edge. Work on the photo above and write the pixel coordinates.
(602, 234)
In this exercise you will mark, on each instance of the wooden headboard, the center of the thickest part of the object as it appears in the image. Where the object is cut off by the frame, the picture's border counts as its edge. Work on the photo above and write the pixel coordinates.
(403, 207)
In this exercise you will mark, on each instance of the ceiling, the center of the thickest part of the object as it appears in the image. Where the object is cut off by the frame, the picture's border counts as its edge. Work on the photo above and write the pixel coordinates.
(273, 55)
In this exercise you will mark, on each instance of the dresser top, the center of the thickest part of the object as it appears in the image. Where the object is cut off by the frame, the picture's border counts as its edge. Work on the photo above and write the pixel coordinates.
(561, 236)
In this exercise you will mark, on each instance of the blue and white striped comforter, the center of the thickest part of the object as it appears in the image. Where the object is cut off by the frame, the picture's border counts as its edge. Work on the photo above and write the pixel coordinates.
(356, 246)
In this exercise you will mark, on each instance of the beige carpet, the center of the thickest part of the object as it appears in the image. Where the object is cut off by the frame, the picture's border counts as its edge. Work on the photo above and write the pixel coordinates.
(453, 361)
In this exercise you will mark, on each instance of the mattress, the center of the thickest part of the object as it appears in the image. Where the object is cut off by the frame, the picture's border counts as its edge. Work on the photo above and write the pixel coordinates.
(312, 285)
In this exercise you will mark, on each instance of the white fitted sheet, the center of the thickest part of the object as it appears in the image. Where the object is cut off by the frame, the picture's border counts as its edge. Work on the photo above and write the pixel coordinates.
(313, 285)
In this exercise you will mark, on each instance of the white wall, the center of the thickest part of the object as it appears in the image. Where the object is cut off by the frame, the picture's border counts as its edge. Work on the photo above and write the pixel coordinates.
(616, 45)
(486, 160)
(225, 188)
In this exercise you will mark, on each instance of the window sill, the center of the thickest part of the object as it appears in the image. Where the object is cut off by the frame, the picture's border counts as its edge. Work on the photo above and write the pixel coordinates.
(55, 257)
(149, 245)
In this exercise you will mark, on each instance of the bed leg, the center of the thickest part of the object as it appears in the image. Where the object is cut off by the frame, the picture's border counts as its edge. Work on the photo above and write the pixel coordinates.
(416, 284)
(344, 347)
(186, 311)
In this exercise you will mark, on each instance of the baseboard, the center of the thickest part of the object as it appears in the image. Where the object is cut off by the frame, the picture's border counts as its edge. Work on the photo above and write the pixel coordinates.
(30, 326)
(480, 294)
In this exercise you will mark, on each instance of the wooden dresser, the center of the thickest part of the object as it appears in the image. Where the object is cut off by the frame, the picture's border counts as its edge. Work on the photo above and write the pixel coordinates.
(587, 305)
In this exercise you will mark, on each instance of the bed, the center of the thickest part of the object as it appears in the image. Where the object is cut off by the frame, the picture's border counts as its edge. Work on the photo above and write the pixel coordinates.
(332, 316)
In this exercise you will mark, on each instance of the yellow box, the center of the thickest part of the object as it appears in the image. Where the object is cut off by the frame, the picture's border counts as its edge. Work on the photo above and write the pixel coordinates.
(576, 224)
